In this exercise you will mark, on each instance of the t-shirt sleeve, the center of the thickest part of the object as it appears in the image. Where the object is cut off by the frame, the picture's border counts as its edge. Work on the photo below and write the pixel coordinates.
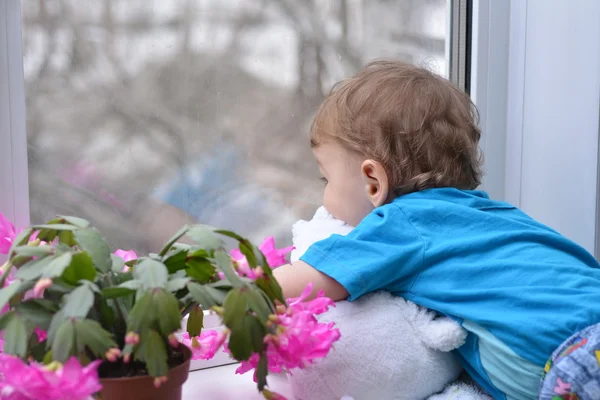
(384, 252)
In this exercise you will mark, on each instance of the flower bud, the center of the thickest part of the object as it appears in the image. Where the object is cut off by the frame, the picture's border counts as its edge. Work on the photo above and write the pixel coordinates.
(159, 380)
(173, 341)
(113, 354)
(132, 338)
(41, 286)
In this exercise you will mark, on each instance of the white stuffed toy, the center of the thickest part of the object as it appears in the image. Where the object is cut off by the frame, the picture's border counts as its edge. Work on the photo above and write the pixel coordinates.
(389, 348)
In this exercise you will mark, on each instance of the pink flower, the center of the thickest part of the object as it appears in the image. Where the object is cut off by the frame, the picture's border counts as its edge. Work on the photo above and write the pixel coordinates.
(298, 338)
(20, 381)
(206, 345)
(41, 334)
(76, 382)
(71, 381)
(317, 306)
(7, 234)
(275, 258)
(126, 255)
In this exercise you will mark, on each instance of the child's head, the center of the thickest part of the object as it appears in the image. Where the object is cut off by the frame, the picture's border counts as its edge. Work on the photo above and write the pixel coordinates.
(393, 129)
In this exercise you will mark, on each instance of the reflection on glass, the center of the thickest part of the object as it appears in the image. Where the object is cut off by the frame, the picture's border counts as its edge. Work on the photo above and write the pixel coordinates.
(143, 115)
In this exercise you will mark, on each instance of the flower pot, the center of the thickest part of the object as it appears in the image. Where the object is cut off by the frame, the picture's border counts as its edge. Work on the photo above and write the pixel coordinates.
(142, 387)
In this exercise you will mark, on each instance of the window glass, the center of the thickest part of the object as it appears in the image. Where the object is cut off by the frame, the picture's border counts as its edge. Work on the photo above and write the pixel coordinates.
(143, 115)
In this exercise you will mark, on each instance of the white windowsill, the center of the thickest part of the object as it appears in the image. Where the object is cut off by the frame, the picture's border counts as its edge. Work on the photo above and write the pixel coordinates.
(211, 321)
(216, 378)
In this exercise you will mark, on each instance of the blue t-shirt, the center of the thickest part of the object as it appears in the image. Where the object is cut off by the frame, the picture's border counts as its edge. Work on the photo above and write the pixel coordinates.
(517, 286)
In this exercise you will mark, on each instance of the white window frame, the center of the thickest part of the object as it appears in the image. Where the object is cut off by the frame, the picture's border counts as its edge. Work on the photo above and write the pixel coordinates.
(541, 151)
(14, 179)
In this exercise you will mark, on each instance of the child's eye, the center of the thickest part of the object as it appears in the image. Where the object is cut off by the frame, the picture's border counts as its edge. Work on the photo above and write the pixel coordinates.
(324, 180)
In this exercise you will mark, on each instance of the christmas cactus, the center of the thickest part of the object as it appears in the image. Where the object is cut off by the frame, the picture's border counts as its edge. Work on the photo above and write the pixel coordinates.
(72, 311)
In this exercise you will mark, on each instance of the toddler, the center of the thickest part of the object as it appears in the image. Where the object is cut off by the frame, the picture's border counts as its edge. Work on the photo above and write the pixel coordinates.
(398, 150)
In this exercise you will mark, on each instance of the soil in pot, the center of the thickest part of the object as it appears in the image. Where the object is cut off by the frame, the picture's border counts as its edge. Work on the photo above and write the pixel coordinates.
(133, 383)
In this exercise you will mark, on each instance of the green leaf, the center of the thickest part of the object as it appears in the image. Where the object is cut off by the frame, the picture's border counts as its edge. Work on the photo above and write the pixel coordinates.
(91, 334)
(234, 307)
(106, 313)
(33, 269)
(247, 250)
(261, 372)
(67, 238)
(81, 267)
(206, 296)
(222, 284)
(257, 333)
(175, 260)
(55, 227)
(34, 312)
(21, 239)
(58, 265)
(5, 318)
(64, 343)
(230, 234)
(116, 291)
(9, 291)
(132, 284)
(155, 354)
(60, 286)
(271, 288)
(225, 264)
(118, 264)
(139, 318)
(56, 322)
(90, 284)
(206, 237)
(16, 337)
(240, 342)
(47, 358)
(200, 269)
(152, 273)
(78, 222)
(47, 235)
(195, 321)
(79, 302)
(176, 284)
(167, 312)
(33, 251)
(258, 304)
(90, 241)
(182, 231)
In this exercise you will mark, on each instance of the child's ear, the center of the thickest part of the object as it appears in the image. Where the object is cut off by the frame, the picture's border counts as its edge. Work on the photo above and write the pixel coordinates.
(376, 182)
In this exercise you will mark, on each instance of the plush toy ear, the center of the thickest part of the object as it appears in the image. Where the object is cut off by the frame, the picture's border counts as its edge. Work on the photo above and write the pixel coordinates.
(437, 333)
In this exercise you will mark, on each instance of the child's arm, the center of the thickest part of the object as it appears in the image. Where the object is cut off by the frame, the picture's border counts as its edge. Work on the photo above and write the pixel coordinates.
(294, 277)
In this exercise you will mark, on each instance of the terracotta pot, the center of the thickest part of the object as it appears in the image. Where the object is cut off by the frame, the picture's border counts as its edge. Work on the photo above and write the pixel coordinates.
(142, 387)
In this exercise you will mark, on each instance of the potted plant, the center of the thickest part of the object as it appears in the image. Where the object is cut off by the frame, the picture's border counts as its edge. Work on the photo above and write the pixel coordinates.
(78, 320)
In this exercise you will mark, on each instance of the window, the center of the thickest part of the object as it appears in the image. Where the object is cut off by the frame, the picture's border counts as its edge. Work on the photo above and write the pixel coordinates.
(143, 115)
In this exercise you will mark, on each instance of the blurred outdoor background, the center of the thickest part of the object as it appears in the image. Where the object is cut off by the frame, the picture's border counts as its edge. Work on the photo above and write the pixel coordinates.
(146, 114)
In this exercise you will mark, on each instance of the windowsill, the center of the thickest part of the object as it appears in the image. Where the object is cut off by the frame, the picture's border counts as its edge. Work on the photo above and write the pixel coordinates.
(216, 378)
(224, 384)
(211, 321)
